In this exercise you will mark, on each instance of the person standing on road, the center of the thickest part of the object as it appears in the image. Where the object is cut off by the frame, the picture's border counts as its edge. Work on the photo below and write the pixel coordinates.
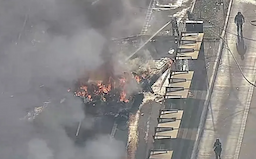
(175, 26)
(239, 20)
(217, 148)
(190, 15)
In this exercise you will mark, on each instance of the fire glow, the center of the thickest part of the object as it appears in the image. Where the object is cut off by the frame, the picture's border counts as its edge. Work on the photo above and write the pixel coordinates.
(114, 86)
(104, 85)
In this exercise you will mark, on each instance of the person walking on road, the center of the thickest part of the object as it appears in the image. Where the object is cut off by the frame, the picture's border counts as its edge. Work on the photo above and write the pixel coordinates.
(217, 148)
(239, 20)
(175, 26)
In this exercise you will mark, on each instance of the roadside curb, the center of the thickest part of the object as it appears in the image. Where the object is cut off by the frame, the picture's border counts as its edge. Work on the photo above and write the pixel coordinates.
(211, 85)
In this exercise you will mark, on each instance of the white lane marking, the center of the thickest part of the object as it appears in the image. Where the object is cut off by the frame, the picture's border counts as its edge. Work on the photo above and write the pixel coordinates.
(78, 128)
(147, 131)
(251, 77)
(114, 128)
(239, 122)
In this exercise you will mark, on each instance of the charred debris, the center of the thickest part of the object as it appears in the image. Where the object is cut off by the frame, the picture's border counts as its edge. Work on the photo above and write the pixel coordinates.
(107, 95)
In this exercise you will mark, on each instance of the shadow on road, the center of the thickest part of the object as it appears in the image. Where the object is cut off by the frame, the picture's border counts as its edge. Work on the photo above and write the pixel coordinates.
(240, 46)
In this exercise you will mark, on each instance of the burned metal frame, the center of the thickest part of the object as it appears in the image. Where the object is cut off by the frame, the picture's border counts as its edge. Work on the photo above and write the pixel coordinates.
(160, 154)
(179, 81)
(190, 45)
(153, 152)
(168, 131)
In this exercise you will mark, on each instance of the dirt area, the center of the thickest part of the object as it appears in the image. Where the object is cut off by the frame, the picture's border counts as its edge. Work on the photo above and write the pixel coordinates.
(213, 14)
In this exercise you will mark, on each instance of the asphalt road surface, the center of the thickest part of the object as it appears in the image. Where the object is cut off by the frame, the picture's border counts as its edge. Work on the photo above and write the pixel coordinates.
(231, 112)
(192, 107)
(249, 139)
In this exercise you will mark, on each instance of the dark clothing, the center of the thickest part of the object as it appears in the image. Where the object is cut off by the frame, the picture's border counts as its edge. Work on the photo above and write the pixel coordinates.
(239, 28)
(217, 155)
(175, 27)
(190, 16)
(239, 20)
(217, 149)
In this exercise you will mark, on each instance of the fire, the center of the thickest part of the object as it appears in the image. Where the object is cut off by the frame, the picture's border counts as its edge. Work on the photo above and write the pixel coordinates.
(103, 88)
(137, 78)
(100, 89)
(142, 76)
(123, 97)
(113, 87)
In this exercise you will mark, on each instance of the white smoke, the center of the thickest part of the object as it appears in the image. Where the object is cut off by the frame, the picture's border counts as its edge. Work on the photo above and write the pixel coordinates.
(105, 147)
(45, 46)
(38, 149)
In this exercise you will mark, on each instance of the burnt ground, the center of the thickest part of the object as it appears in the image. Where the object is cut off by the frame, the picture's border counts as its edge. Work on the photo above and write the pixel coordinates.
(103, 124)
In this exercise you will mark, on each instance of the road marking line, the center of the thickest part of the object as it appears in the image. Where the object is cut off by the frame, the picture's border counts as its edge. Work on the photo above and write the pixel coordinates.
(114, 128)
(78, 128)
(245, 116)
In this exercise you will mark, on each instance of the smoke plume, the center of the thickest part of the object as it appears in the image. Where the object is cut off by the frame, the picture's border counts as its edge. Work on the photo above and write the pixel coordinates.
(45, 46)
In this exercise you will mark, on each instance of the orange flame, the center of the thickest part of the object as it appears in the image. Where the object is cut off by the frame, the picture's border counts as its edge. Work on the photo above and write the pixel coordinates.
(100, 88)
(123, 97)
(137, 78)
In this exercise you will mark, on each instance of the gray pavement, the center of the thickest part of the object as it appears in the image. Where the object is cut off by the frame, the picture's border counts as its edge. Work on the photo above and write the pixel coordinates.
(147, 126)
(192, 108)
(232, 94)
(247, 150)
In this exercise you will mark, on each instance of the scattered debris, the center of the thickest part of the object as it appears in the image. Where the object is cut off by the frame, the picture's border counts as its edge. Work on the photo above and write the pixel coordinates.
(37, 110)
(171, 51)
(62, 100)
(78, 128)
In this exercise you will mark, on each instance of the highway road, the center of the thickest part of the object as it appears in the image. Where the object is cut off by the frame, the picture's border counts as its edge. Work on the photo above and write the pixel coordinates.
(231, 111)
(247, 150)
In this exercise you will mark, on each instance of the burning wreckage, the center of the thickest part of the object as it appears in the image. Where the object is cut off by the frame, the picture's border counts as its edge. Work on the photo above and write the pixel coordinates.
(107, 94)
